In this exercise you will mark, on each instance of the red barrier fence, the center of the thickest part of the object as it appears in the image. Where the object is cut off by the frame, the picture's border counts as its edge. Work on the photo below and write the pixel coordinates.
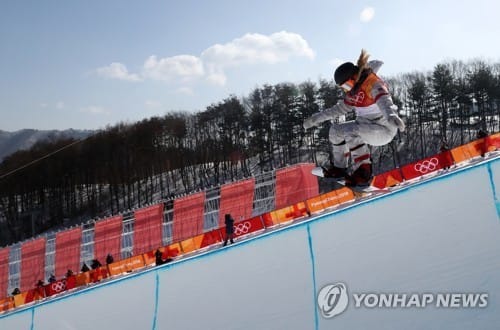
(4, 271)
(493, 142)
(107, 237)
(427, 165)
(295, 184)
(60, 286)
(6, 304)
(67, 250)
(388, 179)
(330, 199)
(245, 227)
(148, 228)
(237, 199)
(32, 263)
(188, 216)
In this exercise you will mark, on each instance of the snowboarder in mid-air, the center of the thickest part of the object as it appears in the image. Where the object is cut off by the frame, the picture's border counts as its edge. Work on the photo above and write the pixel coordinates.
(377, 121)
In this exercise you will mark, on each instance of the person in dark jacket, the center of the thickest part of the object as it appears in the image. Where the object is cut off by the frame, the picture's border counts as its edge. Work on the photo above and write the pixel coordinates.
(483, 148)
(52, 278)
(69, 273)
(229, 222)
(85, 268)
(95, 264)
(109, 259)
(159, 258)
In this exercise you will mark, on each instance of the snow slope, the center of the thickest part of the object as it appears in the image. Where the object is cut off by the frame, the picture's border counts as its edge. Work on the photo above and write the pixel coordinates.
(440, 236)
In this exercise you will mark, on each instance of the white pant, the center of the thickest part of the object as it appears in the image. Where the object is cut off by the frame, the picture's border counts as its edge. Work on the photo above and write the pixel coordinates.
(352, 138)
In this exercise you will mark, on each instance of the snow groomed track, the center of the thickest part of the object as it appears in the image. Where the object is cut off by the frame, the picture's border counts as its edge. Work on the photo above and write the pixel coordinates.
(439, 237)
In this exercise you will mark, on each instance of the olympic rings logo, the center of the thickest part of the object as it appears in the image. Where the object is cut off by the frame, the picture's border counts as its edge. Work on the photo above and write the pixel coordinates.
(242, 228)
(58, 286)
(427, 166)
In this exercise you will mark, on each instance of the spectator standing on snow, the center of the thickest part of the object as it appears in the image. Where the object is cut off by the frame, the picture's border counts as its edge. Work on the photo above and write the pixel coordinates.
(109, 259)
(229, 222)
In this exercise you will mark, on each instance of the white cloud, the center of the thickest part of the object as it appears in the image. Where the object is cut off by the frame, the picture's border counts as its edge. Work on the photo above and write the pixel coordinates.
(95, 110)
(252, 48)
(117, 71)
(183, 67)
(216, 76)
(60, 105)
(258, 48)
(367, 14)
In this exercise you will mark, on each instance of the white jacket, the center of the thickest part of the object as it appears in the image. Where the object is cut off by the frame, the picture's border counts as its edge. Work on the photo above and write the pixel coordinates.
(378, 103)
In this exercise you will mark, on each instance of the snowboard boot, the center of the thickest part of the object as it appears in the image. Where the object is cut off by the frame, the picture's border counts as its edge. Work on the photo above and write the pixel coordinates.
(361, 176)
(334, 172)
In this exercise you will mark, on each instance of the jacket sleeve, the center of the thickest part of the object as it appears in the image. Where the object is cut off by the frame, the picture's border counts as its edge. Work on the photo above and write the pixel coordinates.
(337, 110)
(383, 99)
(375, 65)
(387, 107)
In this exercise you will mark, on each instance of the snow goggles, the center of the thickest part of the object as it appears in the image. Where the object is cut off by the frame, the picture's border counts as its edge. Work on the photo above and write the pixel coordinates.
(348, 85)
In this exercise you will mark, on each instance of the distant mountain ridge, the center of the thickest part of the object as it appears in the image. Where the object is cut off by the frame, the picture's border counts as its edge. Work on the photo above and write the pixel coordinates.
(24, 139)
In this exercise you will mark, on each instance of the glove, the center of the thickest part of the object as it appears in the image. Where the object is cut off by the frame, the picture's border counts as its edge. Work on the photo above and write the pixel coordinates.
(314, 120)
(397, 122)
(309, 122)
(327, 114)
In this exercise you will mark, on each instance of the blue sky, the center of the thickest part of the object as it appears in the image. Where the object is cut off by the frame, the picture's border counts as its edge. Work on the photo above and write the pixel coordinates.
(88, 64)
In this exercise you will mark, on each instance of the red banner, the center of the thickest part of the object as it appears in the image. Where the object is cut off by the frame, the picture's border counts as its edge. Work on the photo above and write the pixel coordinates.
(107, 238)
(207, 239)
(387, 179)
(129, 264)
(237, 199)
(6, 304)
(310, 181)
(29, 296)
(188, 216)
(4, 272)
(70, 282)
(245, 227)
(32, 263)
(172, 251)
(295, 184)
(493, 142)
(60, 286)
(194, 243)
(321, 202)
(148, 228)
(427, 165)
(68, 251)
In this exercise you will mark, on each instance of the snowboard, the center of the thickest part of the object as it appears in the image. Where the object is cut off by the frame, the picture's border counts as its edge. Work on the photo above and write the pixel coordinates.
(359, 190)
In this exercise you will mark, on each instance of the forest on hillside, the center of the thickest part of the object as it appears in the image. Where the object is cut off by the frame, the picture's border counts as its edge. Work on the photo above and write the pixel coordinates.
(129, 165)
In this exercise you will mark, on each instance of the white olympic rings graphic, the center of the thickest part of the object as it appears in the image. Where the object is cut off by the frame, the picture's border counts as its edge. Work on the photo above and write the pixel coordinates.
(427, 165)
(242, 228)
(58, 286)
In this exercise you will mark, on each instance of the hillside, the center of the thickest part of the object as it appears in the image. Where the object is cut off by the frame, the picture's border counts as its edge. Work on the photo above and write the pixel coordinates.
(24, 139)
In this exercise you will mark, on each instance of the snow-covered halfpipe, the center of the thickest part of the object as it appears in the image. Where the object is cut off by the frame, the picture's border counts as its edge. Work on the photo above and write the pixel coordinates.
(411, 259)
